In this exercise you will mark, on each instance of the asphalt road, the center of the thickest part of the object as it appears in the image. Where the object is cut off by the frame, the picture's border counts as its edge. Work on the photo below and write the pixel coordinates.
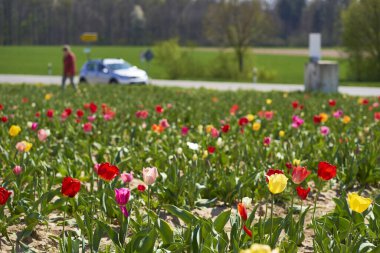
(350, 90)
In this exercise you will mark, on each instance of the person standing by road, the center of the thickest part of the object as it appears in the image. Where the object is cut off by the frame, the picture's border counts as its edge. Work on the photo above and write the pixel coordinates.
(68, 67)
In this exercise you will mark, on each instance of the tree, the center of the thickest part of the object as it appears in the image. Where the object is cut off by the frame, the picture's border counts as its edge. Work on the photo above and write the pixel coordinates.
(361, 39)
(235, 23)
(137, 24)
(290, 12)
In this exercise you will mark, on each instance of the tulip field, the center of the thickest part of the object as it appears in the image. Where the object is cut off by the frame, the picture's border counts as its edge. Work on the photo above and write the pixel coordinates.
(149, 169)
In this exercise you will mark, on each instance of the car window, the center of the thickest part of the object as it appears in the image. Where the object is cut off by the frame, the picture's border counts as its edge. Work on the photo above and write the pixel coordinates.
(90, 66)
(116, 66)
(100, 67)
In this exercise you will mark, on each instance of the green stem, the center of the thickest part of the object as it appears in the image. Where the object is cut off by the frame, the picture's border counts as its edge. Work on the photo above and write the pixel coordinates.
(64, 221)
(148, 204)
(349, 234)
(291, 210)
(271, 221)
(315, 200)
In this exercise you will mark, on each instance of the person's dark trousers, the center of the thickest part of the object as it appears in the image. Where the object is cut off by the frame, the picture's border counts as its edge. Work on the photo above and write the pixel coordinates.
(71, 82)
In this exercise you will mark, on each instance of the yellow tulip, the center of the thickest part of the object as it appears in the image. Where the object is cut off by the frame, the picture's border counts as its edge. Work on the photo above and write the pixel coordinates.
(14, 130)
(268, 101)
(208, 128)
(324, 117)
(346, 119)
(358, 203)
(277, 183)
(259, 248)
(256, 126)
(48, 96)
(205, 154)
(296, 162)
(281, 133)
(250, 117)
(28, 146)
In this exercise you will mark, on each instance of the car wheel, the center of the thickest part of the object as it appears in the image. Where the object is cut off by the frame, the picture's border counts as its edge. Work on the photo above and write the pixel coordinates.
(113, 81)
(82, 80)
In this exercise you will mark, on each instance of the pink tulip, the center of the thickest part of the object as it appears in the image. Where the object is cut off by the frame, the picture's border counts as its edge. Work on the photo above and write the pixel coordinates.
(214, 132)
(21, 146)
(297, 121)
(184, 131)
(164, 123)
(127, 177)
(107, 116)
(33, 125)
(43, 134)
(96, 167)
(91, 118)
(64, 116)
(17, 170)
(338, 114)
(325, 130)
(122, 197)
(87, 127)
(267, 141)
(150, 175)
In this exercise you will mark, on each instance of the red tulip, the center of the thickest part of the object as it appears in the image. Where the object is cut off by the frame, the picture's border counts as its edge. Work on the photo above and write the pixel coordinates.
(68, 111)
(326, 171)
(270, 172)
(377, 116)
(211, 149)
(87, 127)
(70, 186)
(225, 128)
(142, 114)
(1, 107)
(233, 109)
(80, 113)
(295, 104)
(246, 230)
(299, 174)
(317, 119)
(141, 188)
(332, 102)
(242, 211)
(4, 195)
(50, 113)
(107, 171)
(159, 109)
(93, 107)
(302, 193)
(365, 101)
(4, 119)
(243, 121)
(289, 165)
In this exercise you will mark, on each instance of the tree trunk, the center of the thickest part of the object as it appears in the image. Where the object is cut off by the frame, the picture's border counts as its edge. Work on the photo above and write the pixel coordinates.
(240, 58)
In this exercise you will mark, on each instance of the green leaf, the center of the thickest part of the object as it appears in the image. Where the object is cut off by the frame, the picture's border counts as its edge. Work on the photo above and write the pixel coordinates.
(184, 215)
(221, 221)
(165, 231)
(97, 237)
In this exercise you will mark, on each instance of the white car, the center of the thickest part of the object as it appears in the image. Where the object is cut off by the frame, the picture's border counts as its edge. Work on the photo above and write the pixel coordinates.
(112, 71)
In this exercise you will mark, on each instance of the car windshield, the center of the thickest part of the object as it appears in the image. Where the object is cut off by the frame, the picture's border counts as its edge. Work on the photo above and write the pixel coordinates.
(116, 66)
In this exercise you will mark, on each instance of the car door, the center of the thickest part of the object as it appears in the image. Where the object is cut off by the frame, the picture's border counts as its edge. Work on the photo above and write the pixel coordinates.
(91, 72)
(102, 73)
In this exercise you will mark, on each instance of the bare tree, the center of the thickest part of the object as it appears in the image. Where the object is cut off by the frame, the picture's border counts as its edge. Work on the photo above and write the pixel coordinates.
(235, 23)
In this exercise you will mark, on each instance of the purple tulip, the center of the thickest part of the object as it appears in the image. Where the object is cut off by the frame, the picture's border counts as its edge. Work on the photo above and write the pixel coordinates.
(122, 196)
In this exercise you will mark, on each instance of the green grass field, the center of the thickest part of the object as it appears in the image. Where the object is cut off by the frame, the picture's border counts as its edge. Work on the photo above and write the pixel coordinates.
(34, 60)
